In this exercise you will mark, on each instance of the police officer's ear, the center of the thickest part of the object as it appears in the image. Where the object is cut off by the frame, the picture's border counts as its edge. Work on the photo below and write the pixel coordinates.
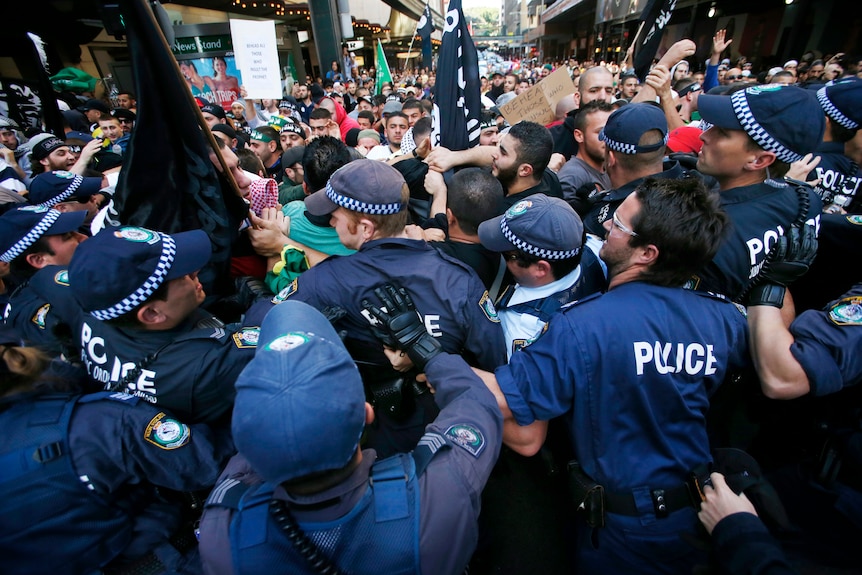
(150, 315)
(369, 414)
(760, 160)
(38, 260)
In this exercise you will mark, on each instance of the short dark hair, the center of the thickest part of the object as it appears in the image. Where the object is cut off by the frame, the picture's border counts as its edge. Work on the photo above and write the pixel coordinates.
(684, 220)
(535, 146)
(396, 115)
(839, 133)
(249, 161)
(421, 128)
(474, 195)
(320, 114)
(412, 104)
(368, 115)
(130, 318)
(559, 268)
(131, 95)
(21, 267)
(588, 109)
(322, 157)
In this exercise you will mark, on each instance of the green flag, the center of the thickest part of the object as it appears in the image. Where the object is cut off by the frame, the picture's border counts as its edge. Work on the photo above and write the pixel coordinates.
(383, 73)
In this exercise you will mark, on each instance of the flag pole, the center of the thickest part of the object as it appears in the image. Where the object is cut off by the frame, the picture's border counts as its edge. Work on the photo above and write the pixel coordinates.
(410, 48)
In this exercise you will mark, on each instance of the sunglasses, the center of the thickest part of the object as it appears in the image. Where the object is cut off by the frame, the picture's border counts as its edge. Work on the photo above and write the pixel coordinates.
(734, 77)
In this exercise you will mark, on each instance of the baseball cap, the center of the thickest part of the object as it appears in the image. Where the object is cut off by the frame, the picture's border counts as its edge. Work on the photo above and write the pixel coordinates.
(365, 99)
(51, 188)
(365, 186)
(539, 225)
(75, 135)
(215, 110)
(391, 107)
(786, 120)
(224, 129)
(95, 104)
(685, 139)
(842, 102)
(124, 114)
(626, 125)
(122, 267)
(300, 404)
(44, 146)
(20, 228)
(292, 156)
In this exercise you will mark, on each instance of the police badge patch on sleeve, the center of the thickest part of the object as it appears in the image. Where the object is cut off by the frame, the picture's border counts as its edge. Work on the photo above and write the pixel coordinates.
(285, 293)
(466, 437)
(167, 433)
(847, 311)
(246, 337)
(855, 220)
(62, 278)
(40, 315)
(488, 307)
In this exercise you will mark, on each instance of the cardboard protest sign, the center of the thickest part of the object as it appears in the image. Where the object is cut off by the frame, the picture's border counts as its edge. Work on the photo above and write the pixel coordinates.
(537, 104)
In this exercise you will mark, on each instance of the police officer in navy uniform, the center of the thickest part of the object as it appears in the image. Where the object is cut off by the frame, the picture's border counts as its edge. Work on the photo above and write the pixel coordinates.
(839, 176)
(302, 496)
(367, 203)
(543, 242)
(35, 240)
(814, 362)
(635, 137)
(145, 333)
(756, 133)
(81, 472)
(633, 370)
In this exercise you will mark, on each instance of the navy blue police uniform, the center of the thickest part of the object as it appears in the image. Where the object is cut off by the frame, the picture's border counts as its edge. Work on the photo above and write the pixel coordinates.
(839, 177)
(633, 369)
(79, 475)
(410, 513)
(759, 215)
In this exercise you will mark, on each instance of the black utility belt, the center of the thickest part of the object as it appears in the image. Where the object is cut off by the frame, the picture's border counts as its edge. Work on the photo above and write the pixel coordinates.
(594, 502)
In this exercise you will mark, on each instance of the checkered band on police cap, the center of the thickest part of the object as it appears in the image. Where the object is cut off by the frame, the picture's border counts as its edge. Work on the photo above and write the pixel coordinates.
(149, 287)
(834, 112)
(757, 132)
(355, 205)
(533, 250)
(70, 190)
(630, 149)
(34, 234)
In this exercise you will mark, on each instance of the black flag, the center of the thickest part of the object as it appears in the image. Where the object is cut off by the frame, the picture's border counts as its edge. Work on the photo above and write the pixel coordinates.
(168, 182)
(458, 100)
(654, 19)
(426, 27)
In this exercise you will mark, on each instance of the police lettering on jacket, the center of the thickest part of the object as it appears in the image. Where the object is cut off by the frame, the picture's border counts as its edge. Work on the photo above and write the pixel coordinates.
(666, 357)
(111, 369)
(760, 246)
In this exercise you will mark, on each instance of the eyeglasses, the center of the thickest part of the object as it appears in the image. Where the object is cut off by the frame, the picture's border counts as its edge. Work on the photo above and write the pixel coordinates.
(733, 77)
(125, 121)
(619, 225)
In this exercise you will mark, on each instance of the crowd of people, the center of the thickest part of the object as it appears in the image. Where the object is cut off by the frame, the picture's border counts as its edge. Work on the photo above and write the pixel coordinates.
(622, 342)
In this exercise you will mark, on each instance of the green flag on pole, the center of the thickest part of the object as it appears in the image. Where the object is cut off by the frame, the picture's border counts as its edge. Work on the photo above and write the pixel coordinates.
(383, 73)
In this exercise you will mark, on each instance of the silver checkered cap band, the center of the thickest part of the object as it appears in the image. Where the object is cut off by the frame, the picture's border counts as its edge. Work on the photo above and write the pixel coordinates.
(757, 132)
(37, 232)
(148, 288)
(834, 112)
(533, 250)
(355, 205)
(622, 147)
(70, 189)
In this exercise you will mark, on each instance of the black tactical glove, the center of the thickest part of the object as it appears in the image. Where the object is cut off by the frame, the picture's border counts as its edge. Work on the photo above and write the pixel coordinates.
(788, 260)
(400, 327)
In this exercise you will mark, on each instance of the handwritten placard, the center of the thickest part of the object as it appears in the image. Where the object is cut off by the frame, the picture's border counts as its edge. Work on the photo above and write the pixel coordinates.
(537, 104)
(256, 54)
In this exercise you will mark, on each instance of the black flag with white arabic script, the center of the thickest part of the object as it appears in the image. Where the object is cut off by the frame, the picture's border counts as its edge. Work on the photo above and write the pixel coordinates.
(457, 90)
(655, 18)
(425, 28)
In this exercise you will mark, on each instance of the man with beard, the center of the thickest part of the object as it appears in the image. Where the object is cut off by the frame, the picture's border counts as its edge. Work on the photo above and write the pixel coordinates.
(520, 161)
(587, 167)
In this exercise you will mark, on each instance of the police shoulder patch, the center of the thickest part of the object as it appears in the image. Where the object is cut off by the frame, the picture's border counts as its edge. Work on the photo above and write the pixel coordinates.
(855, 220)
(466, 437)
(246, 337)
(62, 278)
(847, 311)
(285, 293)
(167, 433)
(40, 315)
(488, 307)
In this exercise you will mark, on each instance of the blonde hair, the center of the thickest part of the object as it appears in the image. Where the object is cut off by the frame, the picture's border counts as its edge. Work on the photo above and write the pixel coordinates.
(25, 365)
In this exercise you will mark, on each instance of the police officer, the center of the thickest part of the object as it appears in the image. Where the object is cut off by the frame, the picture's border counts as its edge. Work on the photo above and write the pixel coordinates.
(542, 240)
(302, 496)
(635, 137)
(80, 472)
(145, 333)
(813, 361)
(68, 192)
(633, 369)
(367, 204)
(39, 243)
(839, 176)
(756, 133)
